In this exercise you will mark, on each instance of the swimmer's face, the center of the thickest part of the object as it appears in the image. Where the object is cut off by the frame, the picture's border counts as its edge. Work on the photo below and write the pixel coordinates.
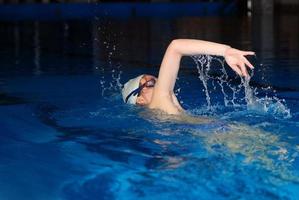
(146, 93)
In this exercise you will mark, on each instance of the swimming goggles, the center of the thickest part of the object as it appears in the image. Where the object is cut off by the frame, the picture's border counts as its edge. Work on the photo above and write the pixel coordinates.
(150, 83)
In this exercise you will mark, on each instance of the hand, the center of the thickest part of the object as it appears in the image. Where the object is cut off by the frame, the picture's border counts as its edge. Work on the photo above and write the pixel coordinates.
(237, 61)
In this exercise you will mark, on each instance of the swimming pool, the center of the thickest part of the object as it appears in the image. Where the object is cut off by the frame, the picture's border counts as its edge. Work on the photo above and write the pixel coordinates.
(66, 134)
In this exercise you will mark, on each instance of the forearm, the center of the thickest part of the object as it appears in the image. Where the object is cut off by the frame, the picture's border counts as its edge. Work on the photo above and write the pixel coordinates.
(178, 48)
(195, 47)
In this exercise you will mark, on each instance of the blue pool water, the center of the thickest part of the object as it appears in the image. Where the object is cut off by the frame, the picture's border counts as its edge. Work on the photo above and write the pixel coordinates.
(66, 134)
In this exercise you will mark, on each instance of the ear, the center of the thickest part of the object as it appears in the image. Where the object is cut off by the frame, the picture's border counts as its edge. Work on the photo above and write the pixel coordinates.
(140, 101)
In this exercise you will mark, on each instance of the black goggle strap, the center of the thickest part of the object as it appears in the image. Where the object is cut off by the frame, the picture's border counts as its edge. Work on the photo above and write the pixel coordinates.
(137, 90)
(133, 93)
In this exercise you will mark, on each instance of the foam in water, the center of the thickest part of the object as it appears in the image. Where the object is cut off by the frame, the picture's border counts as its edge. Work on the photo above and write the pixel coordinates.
(271, 105)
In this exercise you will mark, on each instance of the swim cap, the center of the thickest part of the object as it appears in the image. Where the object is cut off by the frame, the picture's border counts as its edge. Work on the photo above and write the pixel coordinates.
(129, 87)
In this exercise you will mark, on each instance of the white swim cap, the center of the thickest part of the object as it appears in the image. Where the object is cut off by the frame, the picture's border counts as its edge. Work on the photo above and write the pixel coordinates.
(129, 87)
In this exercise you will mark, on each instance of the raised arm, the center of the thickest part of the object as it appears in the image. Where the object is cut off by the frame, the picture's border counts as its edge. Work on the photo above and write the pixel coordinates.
(171, 63)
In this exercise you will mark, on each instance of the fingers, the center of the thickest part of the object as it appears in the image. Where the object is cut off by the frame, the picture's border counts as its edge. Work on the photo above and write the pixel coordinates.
(243, 69)
(236, 69)
(248, 63)
(248, 53)
(238, 62)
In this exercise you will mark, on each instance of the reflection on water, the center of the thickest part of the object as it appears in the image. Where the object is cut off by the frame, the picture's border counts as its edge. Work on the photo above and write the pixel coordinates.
(110, 47)
(16, 44)
(36, 49)
(143, 41)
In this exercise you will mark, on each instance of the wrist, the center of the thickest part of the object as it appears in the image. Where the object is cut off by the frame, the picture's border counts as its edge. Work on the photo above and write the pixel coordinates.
(225, 49)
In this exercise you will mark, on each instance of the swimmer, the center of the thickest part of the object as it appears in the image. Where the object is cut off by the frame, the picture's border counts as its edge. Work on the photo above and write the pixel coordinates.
(157, 93)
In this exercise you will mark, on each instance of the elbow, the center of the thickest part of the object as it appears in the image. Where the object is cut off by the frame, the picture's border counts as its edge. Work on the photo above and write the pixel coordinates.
(174, 46)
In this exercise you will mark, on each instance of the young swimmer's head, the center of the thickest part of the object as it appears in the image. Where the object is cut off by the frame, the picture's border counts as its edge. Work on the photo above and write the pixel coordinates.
(139, 90)
(129, 96)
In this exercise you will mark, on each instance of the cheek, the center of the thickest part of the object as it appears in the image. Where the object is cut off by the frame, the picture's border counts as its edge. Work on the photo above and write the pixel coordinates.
(149, 95)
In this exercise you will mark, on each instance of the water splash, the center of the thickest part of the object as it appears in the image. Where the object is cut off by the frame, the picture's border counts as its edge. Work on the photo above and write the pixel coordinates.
(109, 80)
(203, 64)
(272, 105)
(110, 72)
(236, 95)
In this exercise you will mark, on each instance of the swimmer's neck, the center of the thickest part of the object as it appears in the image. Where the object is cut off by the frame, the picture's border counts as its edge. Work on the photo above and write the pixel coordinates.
(167, 103)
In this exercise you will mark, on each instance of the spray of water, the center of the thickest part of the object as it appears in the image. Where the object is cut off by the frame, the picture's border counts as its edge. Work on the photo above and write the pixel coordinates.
(110, 72)
(203, 65)
(232, 93)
